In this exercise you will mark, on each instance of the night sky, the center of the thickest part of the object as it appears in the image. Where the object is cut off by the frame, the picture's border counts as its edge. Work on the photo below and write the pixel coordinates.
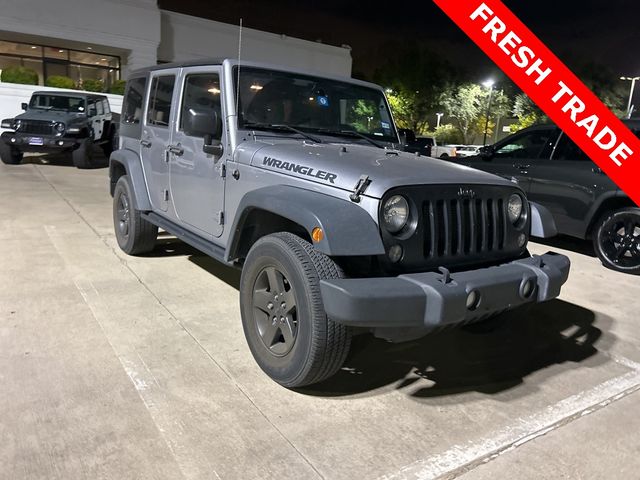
(606, 32)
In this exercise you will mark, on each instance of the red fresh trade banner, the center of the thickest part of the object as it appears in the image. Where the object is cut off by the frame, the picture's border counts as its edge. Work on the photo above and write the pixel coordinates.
(552, 86)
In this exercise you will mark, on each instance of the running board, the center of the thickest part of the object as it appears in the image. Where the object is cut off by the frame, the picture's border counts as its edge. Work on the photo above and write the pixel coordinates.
(186, 236)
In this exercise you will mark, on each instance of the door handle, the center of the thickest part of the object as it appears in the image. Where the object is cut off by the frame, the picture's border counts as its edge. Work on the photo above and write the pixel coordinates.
(145, 143)
(597, 171)
(523, 168)
(176, 149)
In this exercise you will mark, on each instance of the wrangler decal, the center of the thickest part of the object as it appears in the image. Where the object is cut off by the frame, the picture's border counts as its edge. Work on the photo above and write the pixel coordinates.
(301, 169)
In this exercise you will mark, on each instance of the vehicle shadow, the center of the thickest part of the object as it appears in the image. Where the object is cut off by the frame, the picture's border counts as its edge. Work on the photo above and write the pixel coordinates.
(576, 245)
(454, 361)
(457, 361)
(64, 159)
(169, 246)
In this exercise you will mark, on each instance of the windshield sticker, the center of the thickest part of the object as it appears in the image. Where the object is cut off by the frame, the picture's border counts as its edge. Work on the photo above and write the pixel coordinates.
(301, 169)
(322, 101)
(385, 125)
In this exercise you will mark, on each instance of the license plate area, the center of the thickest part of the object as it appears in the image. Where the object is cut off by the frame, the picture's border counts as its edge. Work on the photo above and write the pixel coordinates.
(36, 141)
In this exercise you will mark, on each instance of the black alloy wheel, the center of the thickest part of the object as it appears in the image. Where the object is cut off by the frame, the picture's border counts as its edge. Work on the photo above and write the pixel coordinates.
(274, 311)
(617, 240)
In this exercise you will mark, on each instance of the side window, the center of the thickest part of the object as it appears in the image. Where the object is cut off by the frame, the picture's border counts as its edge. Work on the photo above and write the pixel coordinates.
(201, 97)
(132, 103)
(159, 111)
(535, 144)
(99, 107)
(568, 150)
(105, 106)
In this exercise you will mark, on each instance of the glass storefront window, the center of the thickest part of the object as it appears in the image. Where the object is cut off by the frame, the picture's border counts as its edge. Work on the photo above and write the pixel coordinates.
(87, 58)
(51, 60)
(52, 52)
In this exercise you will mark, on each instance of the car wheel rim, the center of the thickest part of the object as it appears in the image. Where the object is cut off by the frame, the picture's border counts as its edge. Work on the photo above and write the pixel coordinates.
(124, 215)
(274, 311)
(620, 241)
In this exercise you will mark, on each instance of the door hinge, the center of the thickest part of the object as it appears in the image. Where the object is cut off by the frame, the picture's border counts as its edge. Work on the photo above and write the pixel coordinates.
(223, 170)
(220, 217)
(165, 195)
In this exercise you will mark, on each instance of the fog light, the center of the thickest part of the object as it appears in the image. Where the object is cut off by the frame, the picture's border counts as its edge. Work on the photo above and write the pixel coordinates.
(522, 240)
(527, 288)
(395, 253)
(13, 140)
(60, 142)
(473, 300)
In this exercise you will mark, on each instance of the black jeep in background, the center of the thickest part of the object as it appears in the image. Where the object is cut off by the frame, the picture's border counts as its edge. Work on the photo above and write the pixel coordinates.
(61, 121)
(584, 202)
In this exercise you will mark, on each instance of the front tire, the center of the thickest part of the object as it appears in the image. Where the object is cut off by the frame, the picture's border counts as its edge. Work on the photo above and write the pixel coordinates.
(134, 234)
(616, 240)
(10, 155)
(83, 155)
(283, 316)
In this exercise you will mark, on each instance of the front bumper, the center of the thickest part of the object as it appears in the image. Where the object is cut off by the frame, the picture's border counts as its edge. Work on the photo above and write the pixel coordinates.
(45, 143)
(431, 300)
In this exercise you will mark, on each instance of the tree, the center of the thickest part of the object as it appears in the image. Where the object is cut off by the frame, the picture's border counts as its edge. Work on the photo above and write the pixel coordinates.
(415, 77)
(527, 113)
(467, 105)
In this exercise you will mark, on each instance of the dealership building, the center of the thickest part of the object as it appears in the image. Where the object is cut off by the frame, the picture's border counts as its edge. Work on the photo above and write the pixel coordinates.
(107, 39)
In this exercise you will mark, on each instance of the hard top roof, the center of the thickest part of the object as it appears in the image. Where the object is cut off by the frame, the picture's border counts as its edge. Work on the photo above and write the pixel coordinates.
(203, 62)
(66, 93)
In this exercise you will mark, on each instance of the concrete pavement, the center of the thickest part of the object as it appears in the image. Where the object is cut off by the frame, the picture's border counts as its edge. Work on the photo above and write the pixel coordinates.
(136, 367)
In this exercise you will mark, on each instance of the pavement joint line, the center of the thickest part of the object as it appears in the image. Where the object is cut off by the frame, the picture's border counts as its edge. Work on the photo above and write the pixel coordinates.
(461, 459)
(123, 361)
(176, 320)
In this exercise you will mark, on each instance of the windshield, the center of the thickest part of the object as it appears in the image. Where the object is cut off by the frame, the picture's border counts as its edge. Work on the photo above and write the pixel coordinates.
(310, 104)
(57, 102)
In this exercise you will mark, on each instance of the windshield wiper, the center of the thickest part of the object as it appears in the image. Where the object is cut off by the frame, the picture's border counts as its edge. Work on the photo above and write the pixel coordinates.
(270, 126)
(350, 133)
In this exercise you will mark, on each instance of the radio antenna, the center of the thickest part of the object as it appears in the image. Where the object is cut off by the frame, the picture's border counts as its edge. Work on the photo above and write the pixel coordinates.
(238, 79)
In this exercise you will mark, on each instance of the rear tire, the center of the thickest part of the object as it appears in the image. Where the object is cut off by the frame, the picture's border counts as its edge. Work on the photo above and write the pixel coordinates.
(134, 234)
(616, 240)
(83, 155)
(283, 316)
(10, 155)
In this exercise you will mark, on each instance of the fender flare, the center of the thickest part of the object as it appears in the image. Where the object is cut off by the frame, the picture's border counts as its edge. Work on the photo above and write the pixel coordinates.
(130, 161)
(542, 223)
(348, 229)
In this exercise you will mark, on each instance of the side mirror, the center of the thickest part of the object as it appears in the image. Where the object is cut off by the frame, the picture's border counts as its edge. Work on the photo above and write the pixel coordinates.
(205, 123)
(212, 147)
(24, 105)
(486, 153)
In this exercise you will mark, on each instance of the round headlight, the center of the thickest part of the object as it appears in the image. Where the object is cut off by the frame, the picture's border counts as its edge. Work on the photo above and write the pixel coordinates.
(515, 208)
(395, 213)
(59, 127)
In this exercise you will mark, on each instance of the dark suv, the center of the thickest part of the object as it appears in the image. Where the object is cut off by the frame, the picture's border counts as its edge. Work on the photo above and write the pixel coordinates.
(584, 202)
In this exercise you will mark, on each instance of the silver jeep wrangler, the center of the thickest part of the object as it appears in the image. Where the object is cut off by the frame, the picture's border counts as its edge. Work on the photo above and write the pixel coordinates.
(296, 179)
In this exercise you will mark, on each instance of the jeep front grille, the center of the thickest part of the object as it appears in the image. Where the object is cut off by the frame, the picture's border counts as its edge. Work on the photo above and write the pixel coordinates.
(36, 127)
(456, 227)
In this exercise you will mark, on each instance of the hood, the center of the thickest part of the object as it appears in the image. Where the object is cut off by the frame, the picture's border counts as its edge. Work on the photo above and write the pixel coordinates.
(49, 115)
(342, 165)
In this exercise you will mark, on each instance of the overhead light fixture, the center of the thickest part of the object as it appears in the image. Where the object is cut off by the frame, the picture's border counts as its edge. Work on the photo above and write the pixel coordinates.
(256, 87)
(103, 59)
(33, 47)
(89, 48)
(60, 51)
(214, 90)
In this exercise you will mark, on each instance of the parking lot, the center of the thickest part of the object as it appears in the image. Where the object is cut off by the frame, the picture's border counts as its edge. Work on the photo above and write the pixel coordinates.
(136, 367)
